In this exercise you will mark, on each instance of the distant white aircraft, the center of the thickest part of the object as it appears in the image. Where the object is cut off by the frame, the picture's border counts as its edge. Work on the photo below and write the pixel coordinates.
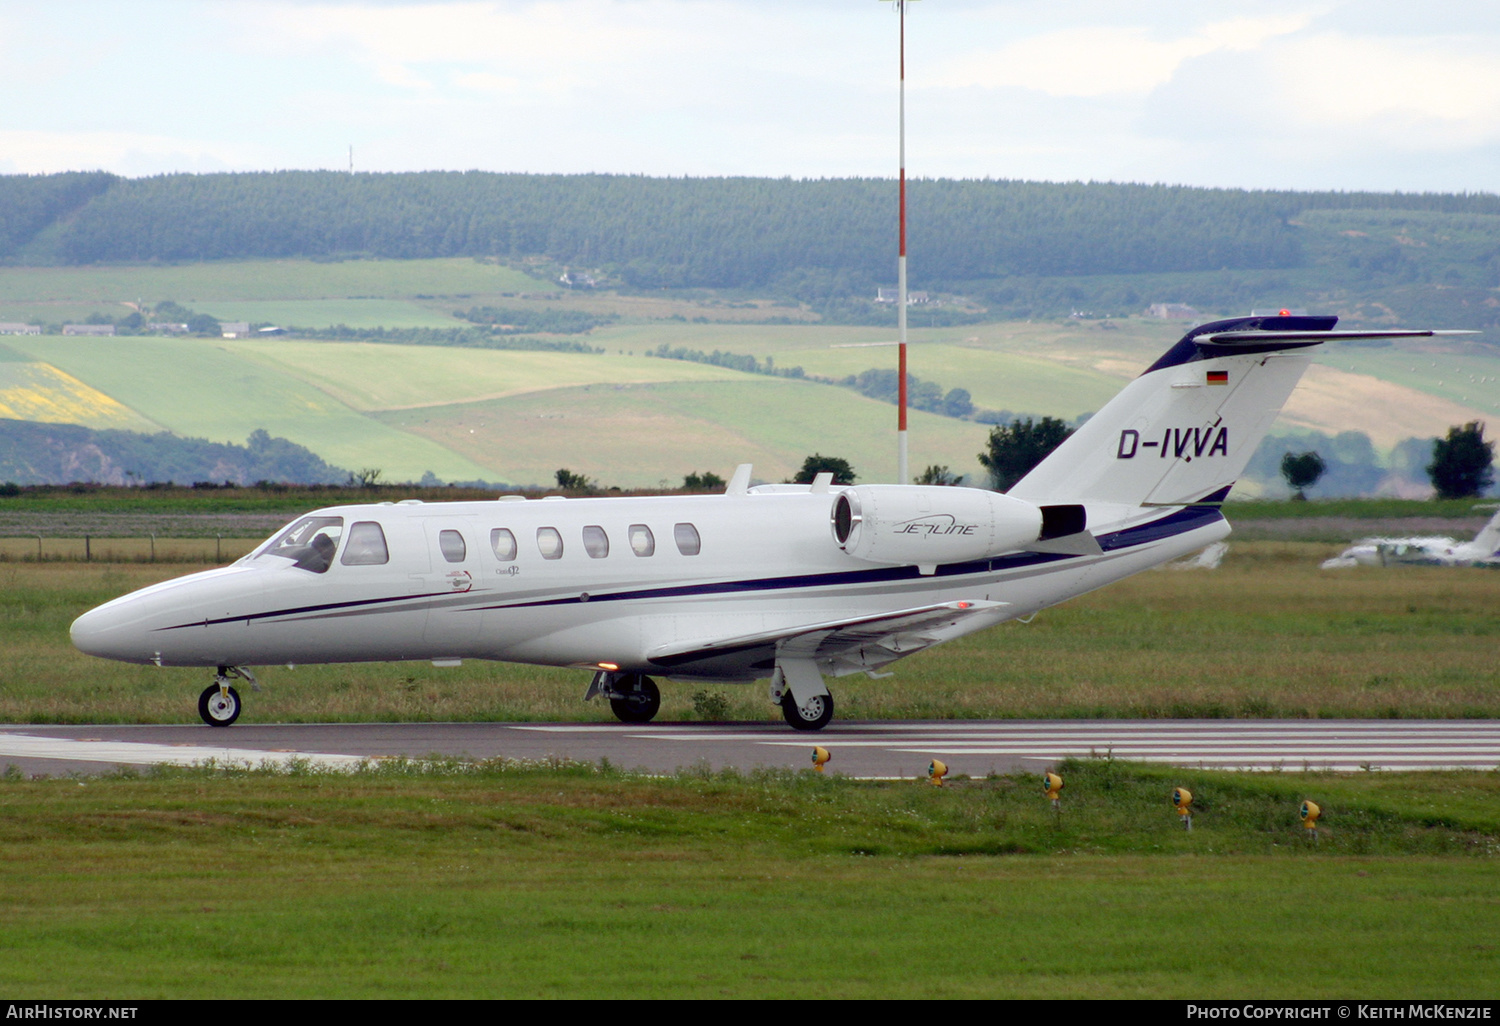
(1484, 550)
(790, 583)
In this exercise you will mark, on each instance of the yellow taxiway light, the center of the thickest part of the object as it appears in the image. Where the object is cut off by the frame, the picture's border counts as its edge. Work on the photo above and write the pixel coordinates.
(1182, 801)
(936, 771)
(819, 758)
(1052, 786)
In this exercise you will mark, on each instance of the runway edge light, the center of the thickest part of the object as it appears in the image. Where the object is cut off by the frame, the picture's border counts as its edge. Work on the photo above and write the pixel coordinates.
(936, 771)
(1052, 786)
(820, 757)
(1310, 813)
(1182, 801)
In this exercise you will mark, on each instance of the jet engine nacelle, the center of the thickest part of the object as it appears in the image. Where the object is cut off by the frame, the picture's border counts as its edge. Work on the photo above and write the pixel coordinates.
(925, 525)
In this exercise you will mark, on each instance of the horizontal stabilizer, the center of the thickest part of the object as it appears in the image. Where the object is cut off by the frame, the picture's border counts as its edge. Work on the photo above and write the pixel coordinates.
(1080, 544)
(1239, 341)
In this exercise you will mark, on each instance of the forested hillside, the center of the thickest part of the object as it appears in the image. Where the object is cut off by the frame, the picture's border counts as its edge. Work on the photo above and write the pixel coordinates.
(32, 453)
(1017, 247)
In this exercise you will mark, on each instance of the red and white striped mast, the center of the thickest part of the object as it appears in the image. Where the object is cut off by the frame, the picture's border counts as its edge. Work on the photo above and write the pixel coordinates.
(903, 472)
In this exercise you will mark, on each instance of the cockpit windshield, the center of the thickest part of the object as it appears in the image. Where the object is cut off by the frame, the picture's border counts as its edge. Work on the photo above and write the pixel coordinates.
(309, 543)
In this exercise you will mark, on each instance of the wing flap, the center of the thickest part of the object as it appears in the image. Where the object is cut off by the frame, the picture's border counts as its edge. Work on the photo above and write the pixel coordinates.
(903, 630)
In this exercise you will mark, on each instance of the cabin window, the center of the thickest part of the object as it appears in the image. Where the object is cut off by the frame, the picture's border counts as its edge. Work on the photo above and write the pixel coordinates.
(595, 541)
(642, 541)
(686, 537)
(309, 543)
(504, 544)
(366, 545)
(549, 541)
(452, 545)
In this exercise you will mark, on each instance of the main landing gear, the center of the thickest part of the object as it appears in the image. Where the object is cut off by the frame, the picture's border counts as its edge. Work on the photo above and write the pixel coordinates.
(633, 697)
(813, 714)
(219, 705)
(798, 688)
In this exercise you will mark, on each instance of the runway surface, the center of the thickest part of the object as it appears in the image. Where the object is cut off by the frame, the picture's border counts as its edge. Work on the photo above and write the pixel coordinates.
(883, 749)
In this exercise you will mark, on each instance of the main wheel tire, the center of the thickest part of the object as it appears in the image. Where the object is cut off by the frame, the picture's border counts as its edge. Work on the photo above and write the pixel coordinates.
(216, 709)
(813, 714)
(637, 699)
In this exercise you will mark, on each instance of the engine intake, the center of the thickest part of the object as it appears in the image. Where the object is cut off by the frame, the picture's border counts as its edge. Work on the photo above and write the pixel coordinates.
(905, 524)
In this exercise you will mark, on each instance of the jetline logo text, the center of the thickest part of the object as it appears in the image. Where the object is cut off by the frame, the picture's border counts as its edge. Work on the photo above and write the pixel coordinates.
(934, 525)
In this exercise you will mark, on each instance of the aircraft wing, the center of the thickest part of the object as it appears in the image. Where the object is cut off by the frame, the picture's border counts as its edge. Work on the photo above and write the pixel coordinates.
(863, 642)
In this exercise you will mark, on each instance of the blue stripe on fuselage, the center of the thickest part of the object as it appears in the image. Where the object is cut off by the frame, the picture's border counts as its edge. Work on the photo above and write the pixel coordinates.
(1183, 520)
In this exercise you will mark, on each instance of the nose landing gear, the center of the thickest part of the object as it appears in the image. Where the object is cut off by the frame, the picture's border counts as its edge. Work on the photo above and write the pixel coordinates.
(219, 705)
(633, 697)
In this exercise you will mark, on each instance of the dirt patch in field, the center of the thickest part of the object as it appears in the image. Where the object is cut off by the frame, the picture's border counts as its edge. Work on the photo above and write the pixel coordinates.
(1332, 400)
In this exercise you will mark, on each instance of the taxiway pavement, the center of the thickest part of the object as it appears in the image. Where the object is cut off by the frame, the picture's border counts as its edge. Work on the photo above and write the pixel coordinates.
(885, 749)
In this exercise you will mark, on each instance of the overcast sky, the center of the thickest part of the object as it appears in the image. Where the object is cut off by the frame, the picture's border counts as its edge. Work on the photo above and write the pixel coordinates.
(1342, 94)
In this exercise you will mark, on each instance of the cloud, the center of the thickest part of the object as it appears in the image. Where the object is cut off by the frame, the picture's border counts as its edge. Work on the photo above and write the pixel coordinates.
(1326, 92)
(129, 153)
(1098, 61)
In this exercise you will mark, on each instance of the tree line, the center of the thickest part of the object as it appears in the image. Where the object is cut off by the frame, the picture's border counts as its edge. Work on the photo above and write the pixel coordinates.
(683, 232)
(33, 453)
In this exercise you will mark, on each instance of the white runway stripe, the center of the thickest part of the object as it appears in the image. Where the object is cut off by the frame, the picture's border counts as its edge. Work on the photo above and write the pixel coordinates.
(136, 754)
(1260, 745)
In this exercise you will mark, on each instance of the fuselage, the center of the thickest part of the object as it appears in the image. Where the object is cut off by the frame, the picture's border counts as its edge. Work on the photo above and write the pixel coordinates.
(595, 582)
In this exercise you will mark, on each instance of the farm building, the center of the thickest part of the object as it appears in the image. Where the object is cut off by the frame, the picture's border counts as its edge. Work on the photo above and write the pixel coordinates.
(1172, 311)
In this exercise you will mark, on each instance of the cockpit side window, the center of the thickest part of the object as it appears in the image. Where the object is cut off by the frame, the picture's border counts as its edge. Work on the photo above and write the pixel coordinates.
(366, 546)
(309, 543)
(686, 537)
(452, 545)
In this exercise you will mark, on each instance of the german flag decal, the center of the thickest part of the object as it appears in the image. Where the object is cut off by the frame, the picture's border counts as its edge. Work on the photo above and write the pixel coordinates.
(1218, 377)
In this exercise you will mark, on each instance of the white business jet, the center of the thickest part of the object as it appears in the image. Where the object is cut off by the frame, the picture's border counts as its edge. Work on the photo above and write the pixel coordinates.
(1483, 550)
(787, 582)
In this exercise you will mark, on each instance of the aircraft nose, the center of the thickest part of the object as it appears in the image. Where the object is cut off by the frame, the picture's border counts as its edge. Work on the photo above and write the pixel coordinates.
(106, 632)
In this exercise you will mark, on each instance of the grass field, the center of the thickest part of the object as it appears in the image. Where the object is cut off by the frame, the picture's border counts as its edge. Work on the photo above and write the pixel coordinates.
(241, 280)
(316, 393)
(328, 313)
(504, 881)
(645, 435)
(31, 390)
(1071, 367)
(1267, 634)
(369, 377)
(204, 389)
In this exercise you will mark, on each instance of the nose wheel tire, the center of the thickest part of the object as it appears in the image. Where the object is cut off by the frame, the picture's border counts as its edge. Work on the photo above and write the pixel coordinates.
(217, 708)
(813, 714)
(636, 699)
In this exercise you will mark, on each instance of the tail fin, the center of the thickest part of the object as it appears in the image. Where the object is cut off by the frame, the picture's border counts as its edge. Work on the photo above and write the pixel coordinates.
(1183, 431)
(1488, 539)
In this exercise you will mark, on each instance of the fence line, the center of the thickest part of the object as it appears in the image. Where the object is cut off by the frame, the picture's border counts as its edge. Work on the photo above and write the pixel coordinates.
(33, 547)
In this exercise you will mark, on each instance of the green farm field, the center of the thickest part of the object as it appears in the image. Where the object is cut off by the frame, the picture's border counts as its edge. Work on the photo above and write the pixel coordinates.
(504, 881)
(370, 377)
(1268, 634)
(349, 402)
(604, 431)
(241, 280)
(327, 313)
(204, 389)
